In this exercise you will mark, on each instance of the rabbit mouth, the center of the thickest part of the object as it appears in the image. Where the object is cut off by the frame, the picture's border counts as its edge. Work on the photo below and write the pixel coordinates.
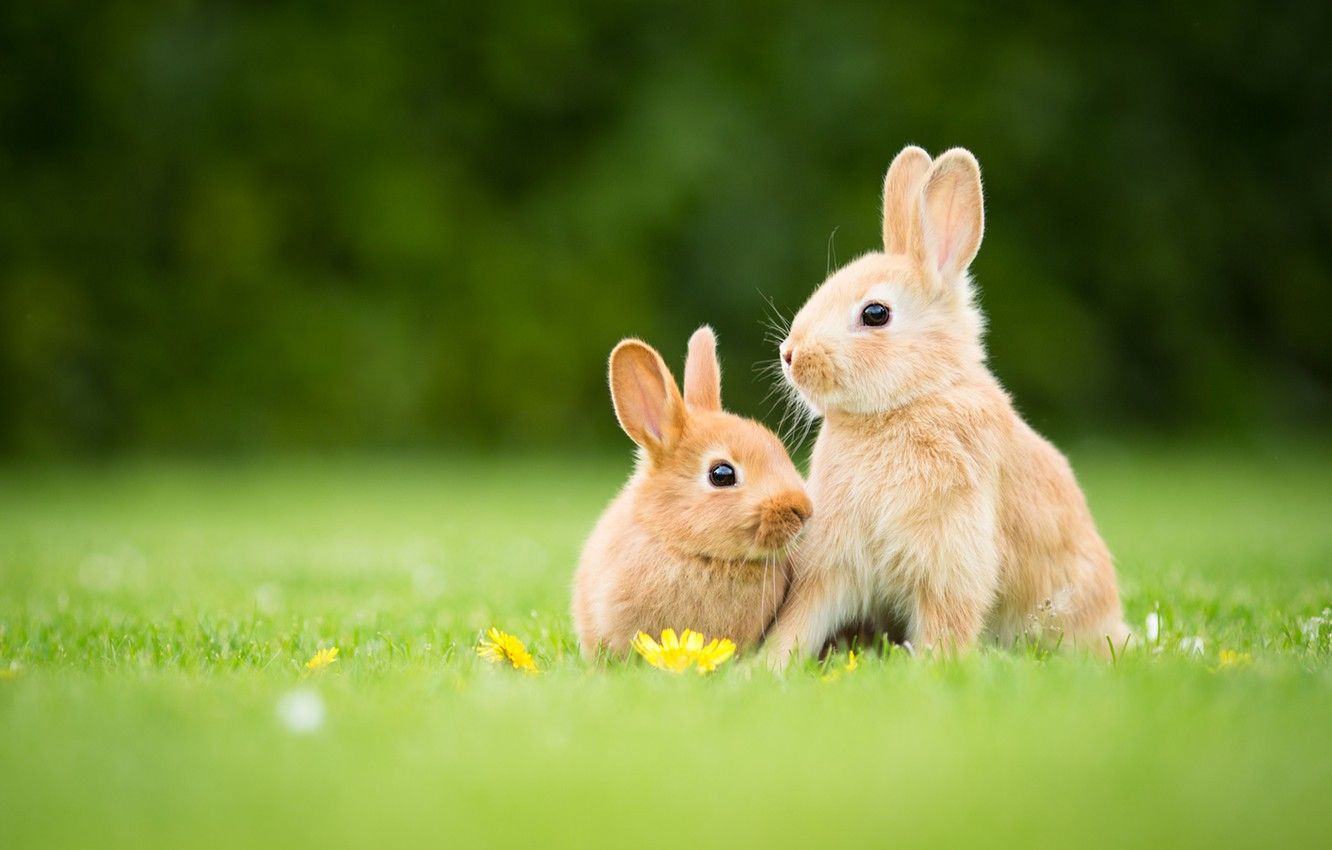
(812, 372)
(781, 521)
(771, 539)
(772, 545)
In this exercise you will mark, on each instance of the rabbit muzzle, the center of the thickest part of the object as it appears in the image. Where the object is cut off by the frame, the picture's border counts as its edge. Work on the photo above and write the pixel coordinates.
(810, 367)
(781, 518)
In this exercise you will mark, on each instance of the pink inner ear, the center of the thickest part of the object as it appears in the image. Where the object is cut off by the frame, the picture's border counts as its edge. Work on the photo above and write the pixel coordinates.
(946, 223)
(650, 412)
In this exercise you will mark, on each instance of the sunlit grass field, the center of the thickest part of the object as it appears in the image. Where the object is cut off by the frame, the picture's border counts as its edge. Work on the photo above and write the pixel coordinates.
(156, 617)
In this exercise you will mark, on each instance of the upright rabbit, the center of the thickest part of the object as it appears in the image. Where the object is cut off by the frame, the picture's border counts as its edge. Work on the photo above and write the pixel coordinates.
(941, 513)
(697, 537)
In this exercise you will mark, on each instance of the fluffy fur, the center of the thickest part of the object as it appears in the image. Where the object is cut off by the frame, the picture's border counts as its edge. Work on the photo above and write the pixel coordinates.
(672, 550)
(941, 514)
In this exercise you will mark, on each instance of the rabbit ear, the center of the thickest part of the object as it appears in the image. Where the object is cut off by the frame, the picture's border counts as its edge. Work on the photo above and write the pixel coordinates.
(901, 187)
(702, 378)
(951, 215)
(647, 401)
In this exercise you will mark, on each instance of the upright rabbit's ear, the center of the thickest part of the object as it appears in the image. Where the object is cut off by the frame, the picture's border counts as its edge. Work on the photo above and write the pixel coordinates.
(702, 380)
(901, 188)
(951, 215)
(647, 401)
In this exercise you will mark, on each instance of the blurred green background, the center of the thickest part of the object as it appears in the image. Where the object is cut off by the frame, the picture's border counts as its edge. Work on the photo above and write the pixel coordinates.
(238, 226)
(239, 239)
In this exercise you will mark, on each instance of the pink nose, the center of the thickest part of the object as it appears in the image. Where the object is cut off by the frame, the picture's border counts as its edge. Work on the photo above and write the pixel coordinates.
(786, 357)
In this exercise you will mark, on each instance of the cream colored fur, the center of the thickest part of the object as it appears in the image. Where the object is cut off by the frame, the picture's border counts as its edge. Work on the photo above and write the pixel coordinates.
(940, 513)
(673, 551)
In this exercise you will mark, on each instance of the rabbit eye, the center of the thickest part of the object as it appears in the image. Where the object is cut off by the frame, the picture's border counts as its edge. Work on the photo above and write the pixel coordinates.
(721, 475)
(875, 315)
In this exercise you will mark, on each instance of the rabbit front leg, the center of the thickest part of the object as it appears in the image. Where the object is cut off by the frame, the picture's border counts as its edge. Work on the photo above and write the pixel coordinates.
(957, 575)
(813, 610)
(948, 622)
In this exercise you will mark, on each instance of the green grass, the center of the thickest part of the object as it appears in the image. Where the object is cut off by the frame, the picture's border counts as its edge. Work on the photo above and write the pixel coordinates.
(153, 615)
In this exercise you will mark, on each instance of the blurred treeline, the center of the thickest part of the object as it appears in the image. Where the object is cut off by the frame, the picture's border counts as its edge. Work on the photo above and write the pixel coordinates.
(247, 225)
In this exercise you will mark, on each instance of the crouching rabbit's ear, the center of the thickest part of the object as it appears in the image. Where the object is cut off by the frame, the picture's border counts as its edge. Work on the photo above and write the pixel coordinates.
(702, 377)
(647, 401)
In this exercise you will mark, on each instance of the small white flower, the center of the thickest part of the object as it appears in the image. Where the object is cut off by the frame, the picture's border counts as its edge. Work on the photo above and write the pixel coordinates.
(1153, 628)
(301, 711)
(1313, 627)
(1061, 602)
(1191, 644)
(371, 648)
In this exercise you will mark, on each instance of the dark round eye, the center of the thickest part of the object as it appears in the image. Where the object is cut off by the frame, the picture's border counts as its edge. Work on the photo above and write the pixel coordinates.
(721, 475)
(875, 315)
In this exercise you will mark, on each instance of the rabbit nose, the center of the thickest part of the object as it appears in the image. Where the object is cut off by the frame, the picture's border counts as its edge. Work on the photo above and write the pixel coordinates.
(802, 508)
(788, 354)
(781, 518)
(793, 509)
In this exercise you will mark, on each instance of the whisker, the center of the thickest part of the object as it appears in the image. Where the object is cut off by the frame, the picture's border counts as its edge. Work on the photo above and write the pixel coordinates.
(810, 419)
(777, 322)
(794, 414)
(773, 390)
(791, 414)
(763, 593)
(768, 299)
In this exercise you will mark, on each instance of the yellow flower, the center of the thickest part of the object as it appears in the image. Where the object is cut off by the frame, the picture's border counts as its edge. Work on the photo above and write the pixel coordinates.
(851, 664)
(670, 654)
(679, 653)
(1231, 658)
(322, 659)
(716, 653)
(498, 647)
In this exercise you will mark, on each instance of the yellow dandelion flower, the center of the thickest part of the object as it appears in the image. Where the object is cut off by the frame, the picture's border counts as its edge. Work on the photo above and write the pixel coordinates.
(322, 659)
(678, 653)
(669, 654)
(498, 647)
(1231, 658)
(850, 667)
(712, 656)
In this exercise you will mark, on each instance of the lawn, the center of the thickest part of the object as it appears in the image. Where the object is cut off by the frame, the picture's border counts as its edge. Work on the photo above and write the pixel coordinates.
(155, 619)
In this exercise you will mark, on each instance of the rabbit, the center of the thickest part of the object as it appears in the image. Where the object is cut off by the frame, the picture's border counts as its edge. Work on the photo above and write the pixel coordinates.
(697, 538)
(941, 514)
